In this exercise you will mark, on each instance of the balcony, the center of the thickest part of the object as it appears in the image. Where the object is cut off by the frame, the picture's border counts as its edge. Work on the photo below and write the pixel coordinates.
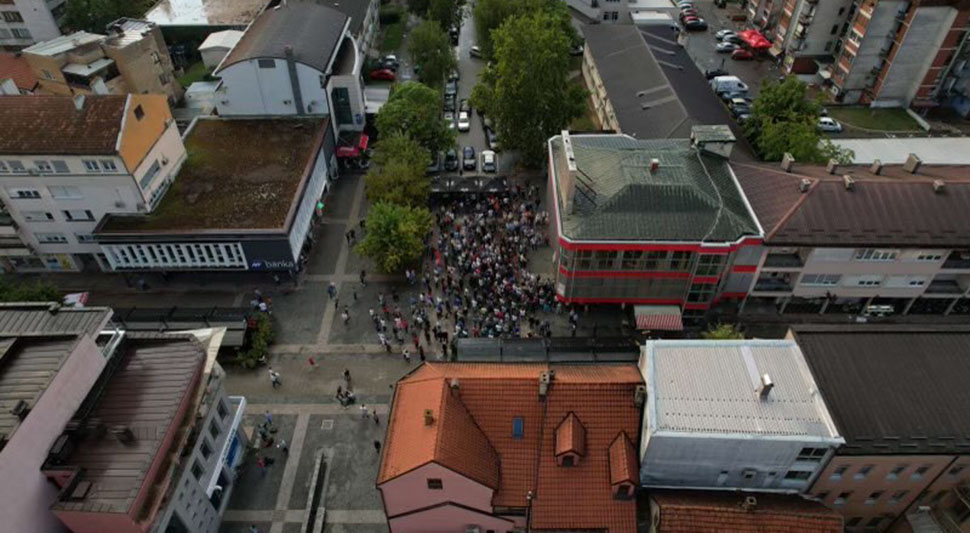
(791, 260)
(944, 286)
(957, 259)
(773, 285)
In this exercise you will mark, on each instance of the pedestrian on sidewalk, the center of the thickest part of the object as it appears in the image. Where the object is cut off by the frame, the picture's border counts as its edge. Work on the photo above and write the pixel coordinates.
(274, 378)
(407, 355)
(283, 446)
(355, 295)
(269, 418)
(421, 352)
(377, 446)
(363, 278)
(364, 413)
(332, 290)
(377, 421)
(347, 379)
(345, 315)
(313, 363)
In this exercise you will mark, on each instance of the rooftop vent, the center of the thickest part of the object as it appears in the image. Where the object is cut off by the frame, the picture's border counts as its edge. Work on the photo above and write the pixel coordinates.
(805, 185)
(640, 396)
(654, 164)
(20, 409)
(79, 102)
(766, 385)
(454, 384)
(749, 503)
(832, 166)
(912, 164)
(123, 434)
(545, 379)
(787, 161)
(939, 186)
(428, 417)
(876, 167)
(849, 182)
(80, 491)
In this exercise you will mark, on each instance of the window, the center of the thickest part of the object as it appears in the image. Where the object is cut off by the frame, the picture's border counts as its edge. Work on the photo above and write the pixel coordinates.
(84, 237)
(17, 167)
(895, 472)
(811, 454)
(863, 472)
(24, 193)
(835, 28)
(920, 472)
(824, 495)
(866, 281)
(60, 167)
(150, 174)
(205, 450)
(898, 497)
(12, 16)
(709, 264)
(43, 166)
(917, 282)
(435, 484)
(108, 165)
(701, 292)
(37, 216)
(722, 477)
(4, 33)
(21, 33)
(839, 472)
(197, 470)
(605, 259)
(518, 427)
(824, 280)
(870, 254)
(876, 520)
(64, 192)
(266, 63)
(214, 430)
(47, 74)
(930, 256)
(873, 497)
(853, 522)
(955, 471)
(748, 474)
(91, 165)
(78, 215)
(631, 259)
(842, 498)
(3, 168)
(797, 475)
(51, 238)
(221, 410)
(342, 108)
(680, 260)
(139, 112)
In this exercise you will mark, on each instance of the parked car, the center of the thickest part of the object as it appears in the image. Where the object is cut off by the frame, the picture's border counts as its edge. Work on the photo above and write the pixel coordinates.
(731, 95)
(722, 34)
(689, 12)
(475, 51)
(451, 160)
(725, 47)
(434, 167)
(492, 139)
(383, 74)
(390, 61)
(739, 100)
(451, 88)
(468, 161)
(454, 33)
(733, 38)
(720, 3)
(742, 109)
(463, 122)
(722, 84)
(450, 103)
(713, 73)
(685, 3)
(463, 105)
(450, 119)
(695, 24)
(453, 75)
(576, 50)
(742, 55)
(743, 118)
(829, 125)
(489, 161)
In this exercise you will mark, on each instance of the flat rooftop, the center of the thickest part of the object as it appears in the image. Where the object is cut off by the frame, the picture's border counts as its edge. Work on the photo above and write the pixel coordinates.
(154, 376)
(205, 12)
(723, 398)
(239, 175)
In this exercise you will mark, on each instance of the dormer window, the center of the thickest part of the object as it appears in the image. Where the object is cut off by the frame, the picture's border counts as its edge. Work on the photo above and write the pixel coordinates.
(570, 441)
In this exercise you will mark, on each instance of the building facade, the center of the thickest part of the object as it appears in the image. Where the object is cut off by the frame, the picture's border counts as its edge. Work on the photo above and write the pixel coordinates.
(25, 22)
(74, 160)
(132, 58)
(651, 222)
(752, 420)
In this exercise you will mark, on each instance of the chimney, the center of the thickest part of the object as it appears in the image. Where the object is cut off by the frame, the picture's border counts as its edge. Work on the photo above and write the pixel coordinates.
(654, 165)
(787, 162)
(805, 185)
(454, 384)
(912, 164)
(749, 503)
(876, 167)
(832, 166)
(79, 102)
(123, 434)
(567, 173)
(939, 186)
(640, 396)
(545, 380)
(848, 182)
(765, 388)
(428, 417)
(20, 410)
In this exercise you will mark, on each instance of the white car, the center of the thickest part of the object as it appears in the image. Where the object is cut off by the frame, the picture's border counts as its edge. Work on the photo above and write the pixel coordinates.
(464, 124)
(489, 162)
(724, 34)
(829, 125)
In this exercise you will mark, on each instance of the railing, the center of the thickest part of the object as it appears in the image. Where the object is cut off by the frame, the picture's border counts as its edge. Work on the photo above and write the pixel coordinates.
(784, 260)
(768, 285)
(957, 262)
(944, 287)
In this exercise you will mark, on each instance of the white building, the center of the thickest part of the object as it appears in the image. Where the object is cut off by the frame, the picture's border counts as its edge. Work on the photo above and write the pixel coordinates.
(732, 415)
(25, 22)
(297, 58)
(66, 162)
(217, 45)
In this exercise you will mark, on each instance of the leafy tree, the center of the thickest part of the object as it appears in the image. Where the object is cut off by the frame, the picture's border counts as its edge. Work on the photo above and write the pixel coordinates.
(418, 7)
(415, 109)
(526, 90)
(260, 335)
(490, 14)
(397, 173)
(12, 290)
(430, 47)
(446, 12)
(395, 236)
(723, 332)
(784, 119)
(830, 150)
(94, 15)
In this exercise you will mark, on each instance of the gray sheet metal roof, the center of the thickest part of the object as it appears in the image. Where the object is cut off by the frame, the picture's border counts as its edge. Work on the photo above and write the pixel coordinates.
(313, 31)
(894, 390)
(37, 319)
(691, 197)
(356, 11)
(710, 387)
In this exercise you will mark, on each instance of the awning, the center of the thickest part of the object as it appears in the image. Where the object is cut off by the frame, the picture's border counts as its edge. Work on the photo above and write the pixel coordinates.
(658, 317)
(355, 147)
(754, 39)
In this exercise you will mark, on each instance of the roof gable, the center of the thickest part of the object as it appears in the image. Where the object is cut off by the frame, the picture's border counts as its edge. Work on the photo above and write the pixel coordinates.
(40, 124)
(623, 461)
(571, 436)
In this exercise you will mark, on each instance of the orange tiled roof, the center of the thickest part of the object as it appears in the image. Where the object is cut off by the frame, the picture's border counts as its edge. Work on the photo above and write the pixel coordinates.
(600, 396)
(16, 68)
(571, 436)
(623, 461)
(684, 511)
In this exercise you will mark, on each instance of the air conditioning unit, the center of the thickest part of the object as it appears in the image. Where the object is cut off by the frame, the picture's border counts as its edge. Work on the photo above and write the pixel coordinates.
(164, 160)
(119, 204)
(33, 172)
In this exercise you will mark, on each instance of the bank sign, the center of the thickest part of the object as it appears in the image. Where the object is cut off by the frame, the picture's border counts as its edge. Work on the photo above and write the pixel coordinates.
(258, 264)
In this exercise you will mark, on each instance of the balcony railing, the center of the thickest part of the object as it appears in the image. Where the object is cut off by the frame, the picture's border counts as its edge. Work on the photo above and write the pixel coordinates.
(955, 261)
(784, 261)
(948, 286)
(773, 285)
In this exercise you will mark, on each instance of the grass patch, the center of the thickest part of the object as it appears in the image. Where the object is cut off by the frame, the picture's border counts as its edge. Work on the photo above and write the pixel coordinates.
(195, 72)
(393, 37)
(588, 121)
(875, 119)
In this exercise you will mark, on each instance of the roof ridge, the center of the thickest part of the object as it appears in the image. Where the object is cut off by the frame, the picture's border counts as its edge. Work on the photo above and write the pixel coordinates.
(793, 209)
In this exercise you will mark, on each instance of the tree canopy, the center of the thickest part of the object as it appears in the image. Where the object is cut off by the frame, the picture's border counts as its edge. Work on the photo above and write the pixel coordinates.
(526, 90)
(430, 47)
(95, 15)
(491, 14)
(395, 236)
(446, 12)
(723, 332)
(14, 290)
(396, 175)
(415, 109)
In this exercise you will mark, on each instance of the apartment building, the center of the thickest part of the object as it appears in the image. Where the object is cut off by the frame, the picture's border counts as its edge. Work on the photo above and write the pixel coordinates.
(297, 58)
(883, 239)
(615, 11)
(16, 76)
(765, 14)
(899, 397)
(659, 222)
(557, 453)
(25, 22)
(67, 162)
(233, 209)
(752, 419)
(132, 58)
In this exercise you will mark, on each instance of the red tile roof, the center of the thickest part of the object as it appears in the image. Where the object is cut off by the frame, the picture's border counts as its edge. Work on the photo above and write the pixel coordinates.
(571, 436)
(600, 396)
(15, 67)
(684, 511)
(40, 124)
(623, 461)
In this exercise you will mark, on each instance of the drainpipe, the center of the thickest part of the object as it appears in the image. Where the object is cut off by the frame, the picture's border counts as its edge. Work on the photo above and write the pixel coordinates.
(294, 80)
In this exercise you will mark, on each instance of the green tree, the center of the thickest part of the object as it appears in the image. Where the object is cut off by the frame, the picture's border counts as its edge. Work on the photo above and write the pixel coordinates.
(396, 175)
(395, 234)
(446, 12)
(723, 332)
(490, 14)
(94, 15)
(526, 89)
(430, 47)
(783, 120)
(415, 109)
(418, 7)
(13, 290)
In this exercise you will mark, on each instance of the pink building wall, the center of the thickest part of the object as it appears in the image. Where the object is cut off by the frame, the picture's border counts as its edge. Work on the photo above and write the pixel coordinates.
(410, 491)
(447, 519)
(85, 522)
(25, 493)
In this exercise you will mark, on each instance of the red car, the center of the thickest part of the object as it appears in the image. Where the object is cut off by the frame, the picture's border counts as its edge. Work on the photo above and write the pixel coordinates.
(383, 74)
(742, 55)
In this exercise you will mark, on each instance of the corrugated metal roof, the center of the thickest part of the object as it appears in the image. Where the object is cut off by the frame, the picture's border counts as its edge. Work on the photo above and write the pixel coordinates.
(712, 387)
(64, 43)
(37, 319)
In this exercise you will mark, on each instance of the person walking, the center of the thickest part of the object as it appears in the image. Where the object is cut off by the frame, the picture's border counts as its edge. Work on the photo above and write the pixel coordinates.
(345, 316)
(363, 278)
(269, 418)
(364, 413)
(407, 355)
(347, 379)
(283, 446)
(377, 446)
(274, 378)
(377, 421)
(312, 362)
(332, 290)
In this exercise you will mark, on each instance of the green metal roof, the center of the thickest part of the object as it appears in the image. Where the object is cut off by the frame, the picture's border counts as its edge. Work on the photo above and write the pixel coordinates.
(691, 196)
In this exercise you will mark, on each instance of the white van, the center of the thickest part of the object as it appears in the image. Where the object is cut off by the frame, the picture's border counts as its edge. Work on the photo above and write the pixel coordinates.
(724, 84)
